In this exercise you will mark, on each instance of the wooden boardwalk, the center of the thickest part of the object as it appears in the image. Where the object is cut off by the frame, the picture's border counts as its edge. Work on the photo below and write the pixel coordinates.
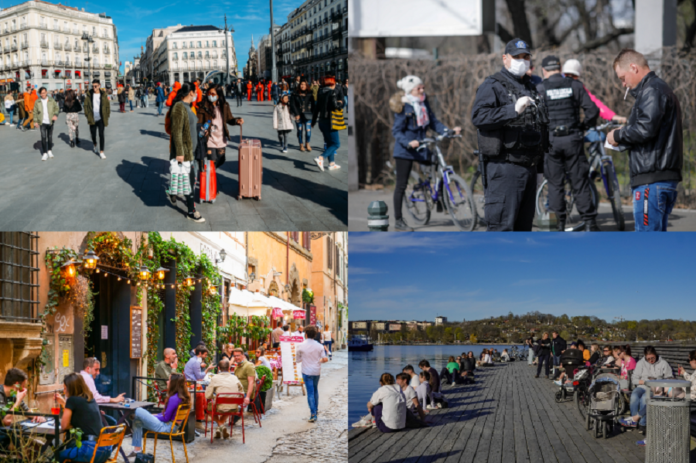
(507, 416)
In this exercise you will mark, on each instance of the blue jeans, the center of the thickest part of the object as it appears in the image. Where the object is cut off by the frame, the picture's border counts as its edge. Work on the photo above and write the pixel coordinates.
(652, 205)
(160, 105)
(130, 102)
(345, 102)
(312, 383)
(593, 135)
(84, 453)
(328, 345)
(146, 420)
(331, 140)
(639, 403)
(306, 127)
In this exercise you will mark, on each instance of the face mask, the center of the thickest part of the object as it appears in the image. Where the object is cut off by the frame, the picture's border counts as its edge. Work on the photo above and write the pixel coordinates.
(518, 67)
(212, 98)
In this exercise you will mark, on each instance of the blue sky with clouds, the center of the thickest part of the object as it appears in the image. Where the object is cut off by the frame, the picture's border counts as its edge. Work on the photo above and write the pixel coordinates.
(135, 20)
(467, 276)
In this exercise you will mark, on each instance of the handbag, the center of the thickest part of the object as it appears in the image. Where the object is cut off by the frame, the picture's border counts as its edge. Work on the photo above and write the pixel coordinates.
(144, 458)
(179, 184)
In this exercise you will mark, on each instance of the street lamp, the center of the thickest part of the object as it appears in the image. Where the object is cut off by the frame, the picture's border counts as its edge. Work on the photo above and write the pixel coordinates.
(90, 259)
(160, 273)
(88, 39)
(68, 268)
(223, 254)
(144, 272)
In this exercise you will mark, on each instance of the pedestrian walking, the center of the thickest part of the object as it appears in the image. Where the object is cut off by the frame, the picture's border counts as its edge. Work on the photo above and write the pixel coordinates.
(654, 138)
(248, 86)
(216, 111)
(315, 89)
(269, 84)
(259, 91)
(311, 355)
(130, 92)
(239, 92)
(564, 97)
(138, 97)
(282, 122)
(72, 108)
(413, 116)
(121, 95)
(184, 141)
(512, 123)
(329, 102)
(274, 93)
(159, 98)
(544, 354)
(97, 111)
(46, 113)
(302, 109)
(30, 98)
(21, 112)
(10, 106)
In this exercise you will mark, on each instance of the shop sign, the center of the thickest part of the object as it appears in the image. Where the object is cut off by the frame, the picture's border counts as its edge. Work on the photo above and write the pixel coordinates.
(298, 314)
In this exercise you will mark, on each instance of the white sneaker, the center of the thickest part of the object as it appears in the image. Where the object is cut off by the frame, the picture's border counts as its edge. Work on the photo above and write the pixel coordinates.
(44, 157)
(334, 167)
(430, 407)
(102, 155)
(50, 154)
(320, 163)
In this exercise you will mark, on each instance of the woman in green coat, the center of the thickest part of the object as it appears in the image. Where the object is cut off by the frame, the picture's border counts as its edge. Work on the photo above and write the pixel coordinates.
(184, 140)
(46, 113)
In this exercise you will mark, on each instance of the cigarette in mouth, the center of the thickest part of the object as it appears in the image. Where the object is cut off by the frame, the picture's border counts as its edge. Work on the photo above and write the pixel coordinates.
(626, 94)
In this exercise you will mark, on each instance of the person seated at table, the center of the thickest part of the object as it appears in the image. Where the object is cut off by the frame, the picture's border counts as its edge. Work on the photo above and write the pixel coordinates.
(300, 331)
(15, 384)
(90, 370)
(193, 352)
(690, 377)
(223, 382)
(286, 330)
(177, 394)
(193, 371)
(388, 405)
(246, 373)
(261, 358)
(450, 373)
(275, 336)
(227, 352)
(165, 368)
(80, 411)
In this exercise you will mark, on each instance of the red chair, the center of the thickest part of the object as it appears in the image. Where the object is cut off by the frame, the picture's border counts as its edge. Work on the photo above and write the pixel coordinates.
(257, 390)
(226, 398)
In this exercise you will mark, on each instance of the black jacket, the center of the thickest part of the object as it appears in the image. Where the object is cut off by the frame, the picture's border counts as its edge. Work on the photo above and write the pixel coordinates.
(544, 347)
(558, 345)
(328, 100)
(467, 364)
(302, 104)
(557, 101)
(653, 133)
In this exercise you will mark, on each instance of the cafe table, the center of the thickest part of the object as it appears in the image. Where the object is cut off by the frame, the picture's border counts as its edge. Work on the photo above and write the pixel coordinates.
(126, 410)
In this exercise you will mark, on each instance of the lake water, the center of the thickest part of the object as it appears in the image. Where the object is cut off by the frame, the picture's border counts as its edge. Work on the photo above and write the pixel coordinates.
(365, 368)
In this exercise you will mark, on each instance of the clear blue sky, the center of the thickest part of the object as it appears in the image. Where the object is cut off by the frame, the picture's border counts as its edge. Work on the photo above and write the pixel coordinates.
(475, 276)
(135, 19)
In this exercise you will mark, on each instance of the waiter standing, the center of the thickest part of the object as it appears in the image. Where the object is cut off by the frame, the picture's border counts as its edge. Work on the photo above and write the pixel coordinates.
(564, 97)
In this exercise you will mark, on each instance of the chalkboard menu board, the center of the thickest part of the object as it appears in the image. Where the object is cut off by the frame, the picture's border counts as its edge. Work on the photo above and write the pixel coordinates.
(136, 331)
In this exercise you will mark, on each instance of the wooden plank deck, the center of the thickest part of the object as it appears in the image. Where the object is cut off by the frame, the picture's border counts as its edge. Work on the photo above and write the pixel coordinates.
(507, 416)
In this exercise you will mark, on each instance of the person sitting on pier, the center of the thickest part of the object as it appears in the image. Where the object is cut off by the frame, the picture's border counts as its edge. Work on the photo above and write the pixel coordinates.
(585, 353)
(388, 405)
(505, 357)
(690, 377)
(415, 416)
(595, 354)
(650, 367)
(607, 359)
(415, 382)
(467, 367)
(424, 392)
(434, 379)
(450, 374)
(486, 359)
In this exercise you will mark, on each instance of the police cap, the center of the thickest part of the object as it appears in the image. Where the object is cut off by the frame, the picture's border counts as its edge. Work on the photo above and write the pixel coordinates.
(551, 63)
(517, 47)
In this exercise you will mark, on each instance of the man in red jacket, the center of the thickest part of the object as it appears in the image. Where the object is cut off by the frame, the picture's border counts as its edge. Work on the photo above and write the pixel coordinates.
(249, 91)
(268, 90)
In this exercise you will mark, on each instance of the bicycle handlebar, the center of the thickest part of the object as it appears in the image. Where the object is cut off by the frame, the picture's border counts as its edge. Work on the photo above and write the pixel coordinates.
(428, 140)
(607, 125)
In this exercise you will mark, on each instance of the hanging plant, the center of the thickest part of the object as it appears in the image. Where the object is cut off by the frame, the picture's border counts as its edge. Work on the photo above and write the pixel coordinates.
(308, 296)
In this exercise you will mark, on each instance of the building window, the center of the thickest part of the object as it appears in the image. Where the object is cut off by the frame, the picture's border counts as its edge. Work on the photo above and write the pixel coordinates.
(19, 260)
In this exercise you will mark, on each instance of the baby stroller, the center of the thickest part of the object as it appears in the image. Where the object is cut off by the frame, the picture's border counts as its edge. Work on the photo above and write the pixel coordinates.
(605, 404)
(571, 363)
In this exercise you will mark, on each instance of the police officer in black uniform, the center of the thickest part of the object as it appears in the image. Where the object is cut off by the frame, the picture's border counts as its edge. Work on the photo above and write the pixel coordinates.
(512, 124)
(564, 97)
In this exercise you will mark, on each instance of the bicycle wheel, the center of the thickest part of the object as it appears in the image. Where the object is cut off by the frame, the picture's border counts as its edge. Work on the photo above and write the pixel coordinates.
(417, 202)
(581, 401)
(614, 194)
(459, 203)
(542, 198)
(479, 197)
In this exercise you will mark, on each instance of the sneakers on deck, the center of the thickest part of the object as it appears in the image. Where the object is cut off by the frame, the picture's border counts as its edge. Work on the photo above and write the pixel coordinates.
(628, 422)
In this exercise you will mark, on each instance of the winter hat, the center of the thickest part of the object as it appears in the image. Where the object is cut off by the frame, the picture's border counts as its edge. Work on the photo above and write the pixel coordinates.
(408, 83)
(572, 66)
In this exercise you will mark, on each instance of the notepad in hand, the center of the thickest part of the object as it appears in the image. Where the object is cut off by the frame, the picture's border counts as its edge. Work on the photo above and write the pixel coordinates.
(609, 146)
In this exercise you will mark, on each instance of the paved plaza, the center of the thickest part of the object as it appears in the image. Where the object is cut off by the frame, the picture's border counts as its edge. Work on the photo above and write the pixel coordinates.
(78, 191)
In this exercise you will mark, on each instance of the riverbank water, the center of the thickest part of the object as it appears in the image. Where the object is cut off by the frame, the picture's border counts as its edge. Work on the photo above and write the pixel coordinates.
(365, 368)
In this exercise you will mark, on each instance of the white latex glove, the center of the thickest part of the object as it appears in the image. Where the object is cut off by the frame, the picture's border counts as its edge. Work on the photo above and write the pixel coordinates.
(522, 104)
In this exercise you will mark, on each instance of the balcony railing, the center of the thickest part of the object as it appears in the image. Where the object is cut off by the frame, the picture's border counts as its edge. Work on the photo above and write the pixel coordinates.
(46, 62)
(43, 26)
(76, 32)
(14, 65)
(67, 47)
(57, 46)
(13, 47)
(24, 45)
(336, 16)
(66, 29)
(59, 62)
(23, 26)
(107, 51)
(95, 50)
(78, 64)
(85, 48)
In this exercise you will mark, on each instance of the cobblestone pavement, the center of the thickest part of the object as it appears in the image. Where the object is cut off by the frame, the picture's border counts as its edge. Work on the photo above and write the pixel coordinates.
(78, 191)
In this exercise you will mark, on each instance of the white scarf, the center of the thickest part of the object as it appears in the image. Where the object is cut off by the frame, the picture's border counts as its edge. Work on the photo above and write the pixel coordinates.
(419, 108)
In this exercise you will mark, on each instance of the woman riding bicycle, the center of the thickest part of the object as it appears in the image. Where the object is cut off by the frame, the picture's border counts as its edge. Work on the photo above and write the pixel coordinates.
(412, 120)
(572, 68)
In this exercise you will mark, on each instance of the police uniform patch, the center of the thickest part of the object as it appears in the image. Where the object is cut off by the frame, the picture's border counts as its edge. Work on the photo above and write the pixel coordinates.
(559, 93)
(520, 44)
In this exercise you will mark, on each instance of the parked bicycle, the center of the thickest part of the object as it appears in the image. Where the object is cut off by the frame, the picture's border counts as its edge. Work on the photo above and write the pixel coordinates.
(601, 164)
(438, 184)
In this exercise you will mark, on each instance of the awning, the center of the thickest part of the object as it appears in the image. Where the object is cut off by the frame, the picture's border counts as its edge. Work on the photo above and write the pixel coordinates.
(6, 81)
(243, 302)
